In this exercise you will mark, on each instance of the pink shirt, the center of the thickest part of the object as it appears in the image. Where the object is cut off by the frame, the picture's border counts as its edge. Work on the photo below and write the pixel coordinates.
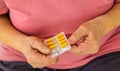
(43, 18)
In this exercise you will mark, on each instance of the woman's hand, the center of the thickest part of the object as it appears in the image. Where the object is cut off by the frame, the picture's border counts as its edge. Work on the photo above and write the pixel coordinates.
(86, 39)
(36, 52)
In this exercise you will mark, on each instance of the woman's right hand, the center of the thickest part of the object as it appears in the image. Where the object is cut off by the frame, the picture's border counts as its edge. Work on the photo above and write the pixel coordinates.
(36, 52)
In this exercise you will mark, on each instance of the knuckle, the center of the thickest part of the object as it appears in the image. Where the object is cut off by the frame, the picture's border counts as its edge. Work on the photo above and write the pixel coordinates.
(70, 40)
(34, 66)
(38, 65)
(76, 36)
(35, 63)
(73, 38)
(29, 61)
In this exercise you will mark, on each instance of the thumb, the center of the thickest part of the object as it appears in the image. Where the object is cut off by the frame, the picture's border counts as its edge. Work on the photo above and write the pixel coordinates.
(77, 35)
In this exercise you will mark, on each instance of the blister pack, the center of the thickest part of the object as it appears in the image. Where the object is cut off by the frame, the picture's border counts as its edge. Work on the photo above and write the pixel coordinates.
(58, 44)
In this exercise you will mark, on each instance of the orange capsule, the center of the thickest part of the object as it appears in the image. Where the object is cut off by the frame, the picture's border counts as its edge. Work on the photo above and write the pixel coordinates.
(63, 45)
(59, 35)
(49, 40)
(52, 46)
(51, 43)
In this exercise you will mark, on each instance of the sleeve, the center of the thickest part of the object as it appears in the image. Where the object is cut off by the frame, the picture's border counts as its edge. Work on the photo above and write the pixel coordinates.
(117, 1)
(3, 8)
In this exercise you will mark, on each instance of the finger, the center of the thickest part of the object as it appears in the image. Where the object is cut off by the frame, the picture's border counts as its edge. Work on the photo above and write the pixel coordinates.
(76, 36)
(47, 61)
(79, 50)
(39, 45)
(73, 48)
(43, 59)
(93, 44)
(36, 59)
(52, 60)
(88, 47)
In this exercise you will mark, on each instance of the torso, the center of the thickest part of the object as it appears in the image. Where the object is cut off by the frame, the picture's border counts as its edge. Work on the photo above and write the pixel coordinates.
(48, 17)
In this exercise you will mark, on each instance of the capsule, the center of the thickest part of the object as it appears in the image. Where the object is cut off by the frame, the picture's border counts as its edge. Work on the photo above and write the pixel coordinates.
(59, 35)
(63, 45)
(60, 39)
(52, 46)
(62, 42)
(49, 40)
(51, 43)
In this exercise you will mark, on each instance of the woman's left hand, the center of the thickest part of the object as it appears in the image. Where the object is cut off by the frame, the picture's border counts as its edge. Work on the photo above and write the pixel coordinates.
(86, 39)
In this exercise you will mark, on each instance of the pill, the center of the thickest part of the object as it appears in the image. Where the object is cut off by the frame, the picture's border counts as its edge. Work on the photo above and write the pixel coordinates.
(63, 45)
(59, 35)
(49, 40)
(60, 39)
(62, 42)
(52, 46)
(51, 43)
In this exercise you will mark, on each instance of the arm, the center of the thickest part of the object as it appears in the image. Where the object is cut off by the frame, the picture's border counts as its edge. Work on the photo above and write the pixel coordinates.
(112, 18)
(107, 22)
(36, 53)
(8, 34)
(88, 36)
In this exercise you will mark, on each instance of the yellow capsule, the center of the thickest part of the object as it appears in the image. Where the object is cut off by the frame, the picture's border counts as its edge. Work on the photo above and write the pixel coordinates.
(63, 45)
(59, 35)
(49, 40)
(62, 42)
(60, 39)
(51, 43)
(52, 46)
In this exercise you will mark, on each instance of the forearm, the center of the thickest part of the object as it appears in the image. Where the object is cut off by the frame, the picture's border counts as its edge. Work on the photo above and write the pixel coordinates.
(8, 34)
(107, 22)
(112, 18)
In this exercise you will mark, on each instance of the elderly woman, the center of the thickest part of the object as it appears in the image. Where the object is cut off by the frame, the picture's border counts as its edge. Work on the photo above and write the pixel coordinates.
(92, 28)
